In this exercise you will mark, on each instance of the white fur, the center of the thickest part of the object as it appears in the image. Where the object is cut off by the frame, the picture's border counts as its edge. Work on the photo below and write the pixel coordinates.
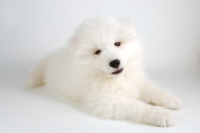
(81, 76)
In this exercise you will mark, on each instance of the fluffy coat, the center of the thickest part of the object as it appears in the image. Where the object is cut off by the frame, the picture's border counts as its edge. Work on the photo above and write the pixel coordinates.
(81, 72)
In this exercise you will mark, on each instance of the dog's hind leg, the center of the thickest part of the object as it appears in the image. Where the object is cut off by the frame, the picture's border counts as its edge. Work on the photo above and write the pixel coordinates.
(36, 76)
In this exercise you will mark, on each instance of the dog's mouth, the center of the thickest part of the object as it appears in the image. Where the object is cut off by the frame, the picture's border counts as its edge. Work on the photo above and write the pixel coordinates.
(118, 71)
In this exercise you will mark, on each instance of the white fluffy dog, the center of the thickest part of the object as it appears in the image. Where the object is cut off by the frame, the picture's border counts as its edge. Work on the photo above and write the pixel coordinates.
(101, 69)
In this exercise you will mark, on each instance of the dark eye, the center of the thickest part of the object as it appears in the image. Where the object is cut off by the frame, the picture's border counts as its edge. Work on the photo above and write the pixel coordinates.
(117, 44)
(98, 52)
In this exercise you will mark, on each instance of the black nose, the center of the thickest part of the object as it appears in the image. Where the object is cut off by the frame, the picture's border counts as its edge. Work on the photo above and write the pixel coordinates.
(114, 63)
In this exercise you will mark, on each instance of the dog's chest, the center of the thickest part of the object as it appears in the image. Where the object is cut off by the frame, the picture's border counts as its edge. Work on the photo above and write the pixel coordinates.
(127, 89)
(117, 89)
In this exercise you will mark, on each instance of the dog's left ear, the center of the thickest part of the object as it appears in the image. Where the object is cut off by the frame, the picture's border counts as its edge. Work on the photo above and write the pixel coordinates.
(129, 25)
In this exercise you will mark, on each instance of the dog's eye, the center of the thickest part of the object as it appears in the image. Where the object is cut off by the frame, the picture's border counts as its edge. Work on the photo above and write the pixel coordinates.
(117, 44)
(98, 52)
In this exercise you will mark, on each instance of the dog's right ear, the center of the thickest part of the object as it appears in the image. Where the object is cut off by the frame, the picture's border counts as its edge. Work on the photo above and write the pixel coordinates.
(128, 25)
(74, 40)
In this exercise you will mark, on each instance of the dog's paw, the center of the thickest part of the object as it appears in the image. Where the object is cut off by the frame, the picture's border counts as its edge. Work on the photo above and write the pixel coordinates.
(173, 103)
(163, 118)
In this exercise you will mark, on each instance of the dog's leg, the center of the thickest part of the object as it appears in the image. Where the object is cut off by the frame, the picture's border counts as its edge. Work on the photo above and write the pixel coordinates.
(151, 93)
(131, 110)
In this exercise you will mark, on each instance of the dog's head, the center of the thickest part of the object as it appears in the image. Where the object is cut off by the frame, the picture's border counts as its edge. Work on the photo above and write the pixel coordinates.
(105, 46)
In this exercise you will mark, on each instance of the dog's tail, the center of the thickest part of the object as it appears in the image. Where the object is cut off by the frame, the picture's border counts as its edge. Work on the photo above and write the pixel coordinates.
(36, 76)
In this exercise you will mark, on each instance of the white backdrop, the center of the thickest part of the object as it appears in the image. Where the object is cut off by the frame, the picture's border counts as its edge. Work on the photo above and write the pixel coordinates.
(169, 29)
(29, 29)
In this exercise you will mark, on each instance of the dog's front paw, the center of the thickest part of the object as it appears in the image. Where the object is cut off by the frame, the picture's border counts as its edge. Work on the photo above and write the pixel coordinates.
(173, 103)
(163, 118)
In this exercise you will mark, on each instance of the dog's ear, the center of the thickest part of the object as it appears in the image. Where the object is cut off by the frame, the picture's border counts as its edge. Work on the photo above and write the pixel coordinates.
(128, 25)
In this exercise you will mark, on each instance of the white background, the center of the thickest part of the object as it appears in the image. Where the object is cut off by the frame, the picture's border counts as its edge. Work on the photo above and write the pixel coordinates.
(29, 29)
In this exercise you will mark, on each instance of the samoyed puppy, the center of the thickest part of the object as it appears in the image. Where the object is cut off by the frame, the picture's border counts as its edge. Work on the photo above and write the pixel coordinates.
(101, 69)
